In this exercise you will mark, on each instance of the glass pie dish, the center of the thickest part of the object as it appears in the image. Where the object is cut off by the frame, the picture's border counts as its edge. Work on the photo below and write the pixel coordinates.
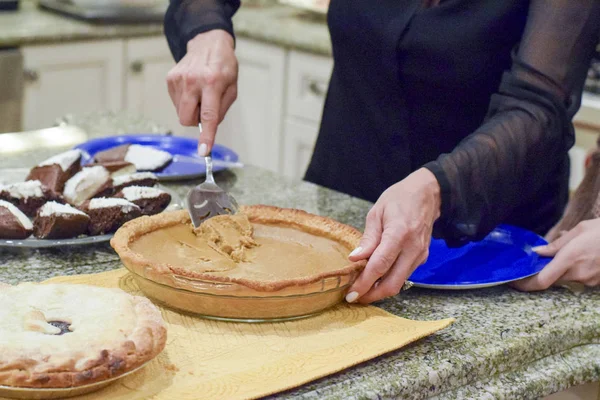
(239, 303)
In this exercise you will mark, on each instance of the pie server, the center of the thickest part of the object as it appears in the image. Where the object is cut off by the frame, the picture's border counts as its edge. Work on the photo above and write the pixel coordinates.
(208, 199)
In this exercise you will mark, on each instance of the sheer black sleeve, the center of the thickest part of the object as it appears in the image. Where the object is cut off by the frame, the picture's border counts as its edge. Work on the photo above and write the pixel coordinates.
(528, 126)
(187, 18)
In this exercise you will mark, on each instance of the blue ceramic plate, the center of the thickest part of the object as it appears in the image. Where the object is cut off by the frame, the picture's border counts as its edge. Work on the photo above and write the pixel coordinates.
(186, 162)
(504, 256)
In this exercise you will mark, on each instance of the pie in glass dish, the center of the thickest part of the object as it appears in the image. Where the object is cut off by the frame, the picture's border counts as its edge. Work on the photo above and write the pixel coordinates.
(67, 336)
(263, 263)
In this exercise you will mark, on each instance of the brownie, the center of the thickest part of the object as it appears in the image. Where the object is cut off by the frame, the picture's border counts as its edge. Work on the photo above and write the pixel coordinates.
(150, 200)
(28, 196)
(145, 158)
(111, 155)
(87, 183)
(13, 223)
(59, 221)
(116, 168)
(138, 179)
(55, 171)
(108, 214)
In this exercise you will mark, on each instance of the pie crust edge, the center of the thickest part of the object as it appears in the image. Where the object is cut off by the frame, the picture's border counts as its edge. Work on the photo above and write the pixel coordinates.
(299, 219)
(144, 343)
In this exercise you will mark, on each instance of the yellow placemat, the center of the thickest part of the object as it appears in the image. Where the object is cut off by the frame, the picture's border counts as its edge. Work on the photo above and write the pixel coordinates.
(220, 360)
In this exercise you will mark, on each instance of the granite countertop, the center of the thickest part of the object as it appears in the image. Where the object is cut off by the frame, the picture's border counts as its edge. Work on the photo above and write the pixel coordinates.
(272, 23)
(504, 344)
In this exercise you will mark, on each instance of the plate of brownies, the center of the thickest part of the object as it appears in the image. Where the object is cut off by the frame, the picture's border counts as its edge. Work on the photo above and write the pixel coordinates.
(61, 202)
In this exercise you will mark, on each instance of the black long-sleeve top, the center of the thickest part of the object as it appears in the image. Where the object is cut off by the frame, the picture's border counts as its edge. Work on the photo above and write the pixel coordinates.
(480, 92)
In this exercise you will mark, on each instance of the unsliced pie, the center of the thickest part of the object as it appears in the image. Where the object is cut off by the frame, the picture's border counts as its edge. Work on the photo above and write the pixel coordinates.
(264, 248)
(64, 336)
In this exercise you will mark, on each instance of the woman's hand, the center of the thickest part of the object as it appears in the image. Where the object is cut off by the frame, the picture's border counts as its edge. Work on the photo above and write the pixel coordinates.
(397, 236)
(576, 259)
(205, 79)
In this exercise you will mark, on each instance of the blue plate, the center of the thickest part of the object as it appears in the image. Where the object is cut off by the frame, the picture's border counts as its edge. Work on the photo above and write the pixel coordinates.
(504, 256)
(186, 162)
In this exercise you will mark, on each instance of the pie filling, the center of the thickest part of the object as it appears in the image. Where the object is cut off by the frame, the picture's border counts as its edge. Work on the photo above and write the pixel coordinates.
(232, 246)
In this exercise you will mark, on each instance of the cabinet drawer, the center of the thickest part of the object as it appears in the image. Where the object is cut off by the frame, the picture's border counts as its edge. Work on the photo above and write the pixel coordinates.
(298, 142)
(308, 79)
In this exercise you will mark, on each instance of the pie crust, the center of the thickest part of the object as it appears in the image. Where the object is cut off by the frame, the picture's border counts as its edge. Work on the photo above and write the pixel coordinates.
(105, 333)
(162, 272)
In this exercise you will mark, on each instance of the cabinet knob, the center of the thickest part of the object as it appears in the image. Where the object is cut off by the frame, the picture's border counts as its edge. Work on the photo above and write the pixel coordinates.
(31, 75)
(317, 88)
(137, 67)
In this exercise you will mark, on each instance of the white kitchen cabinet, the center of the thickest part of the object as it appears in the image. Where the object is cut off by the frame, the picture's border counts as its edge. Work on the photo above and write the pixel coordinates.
(298, 143)
(307, 82)
(252, 127)
(147, 62)
(74, 78)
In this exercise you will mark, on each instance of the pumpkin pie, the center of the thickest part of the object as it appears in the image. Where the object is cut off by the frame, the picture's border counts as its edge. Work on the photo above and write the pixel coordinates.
(67, 336)
(262, 251)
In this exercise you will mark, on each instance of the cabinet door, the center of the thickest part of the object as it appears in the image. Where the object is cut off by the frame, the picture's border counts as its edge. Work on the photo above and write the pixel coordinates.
(72, 78)
(252, 126)
(147, 64)
(298, 143)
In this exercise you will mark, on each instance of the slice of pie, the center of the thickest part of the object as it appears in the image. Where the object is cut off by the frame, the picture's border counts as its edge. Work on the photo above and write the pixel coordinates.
(108, 214)
(59, 221)
(56, 170)
(63, 336)
(13, 223)
(263, 248)
(28, 196)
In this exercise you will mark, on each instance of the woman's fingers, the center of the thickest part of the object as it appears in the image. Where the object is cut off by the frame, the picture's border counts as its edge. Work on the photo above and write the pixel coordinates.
(548, 276)
(552, 248)
(391, 284)
(229, 97)
(378, 265)
(370, 238)
(209, 116)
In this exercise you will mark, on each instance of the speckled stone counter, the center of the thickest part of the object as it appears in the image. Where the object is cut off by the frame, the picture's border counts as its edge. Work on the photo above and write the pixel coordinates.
(504, 344)
(276, 24)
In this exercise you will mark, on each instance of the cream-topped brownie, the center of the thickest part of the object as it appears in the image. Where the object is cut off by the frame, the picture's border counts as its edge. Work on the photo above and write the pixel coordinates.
(145, 158)
(116, 168)
(28, 196)
(150, 200)
(108, 214)
(59, 221)
(87, 183)
(56, 170)
(137, 179)
(14, 224)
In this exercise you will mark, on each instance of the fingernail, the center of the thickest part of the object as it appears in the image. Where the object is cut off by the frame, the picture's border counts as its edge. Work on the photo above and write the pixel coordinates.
(202, 150)
(355, 252)
(351, 297)
(200, 127)
(537, 248)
